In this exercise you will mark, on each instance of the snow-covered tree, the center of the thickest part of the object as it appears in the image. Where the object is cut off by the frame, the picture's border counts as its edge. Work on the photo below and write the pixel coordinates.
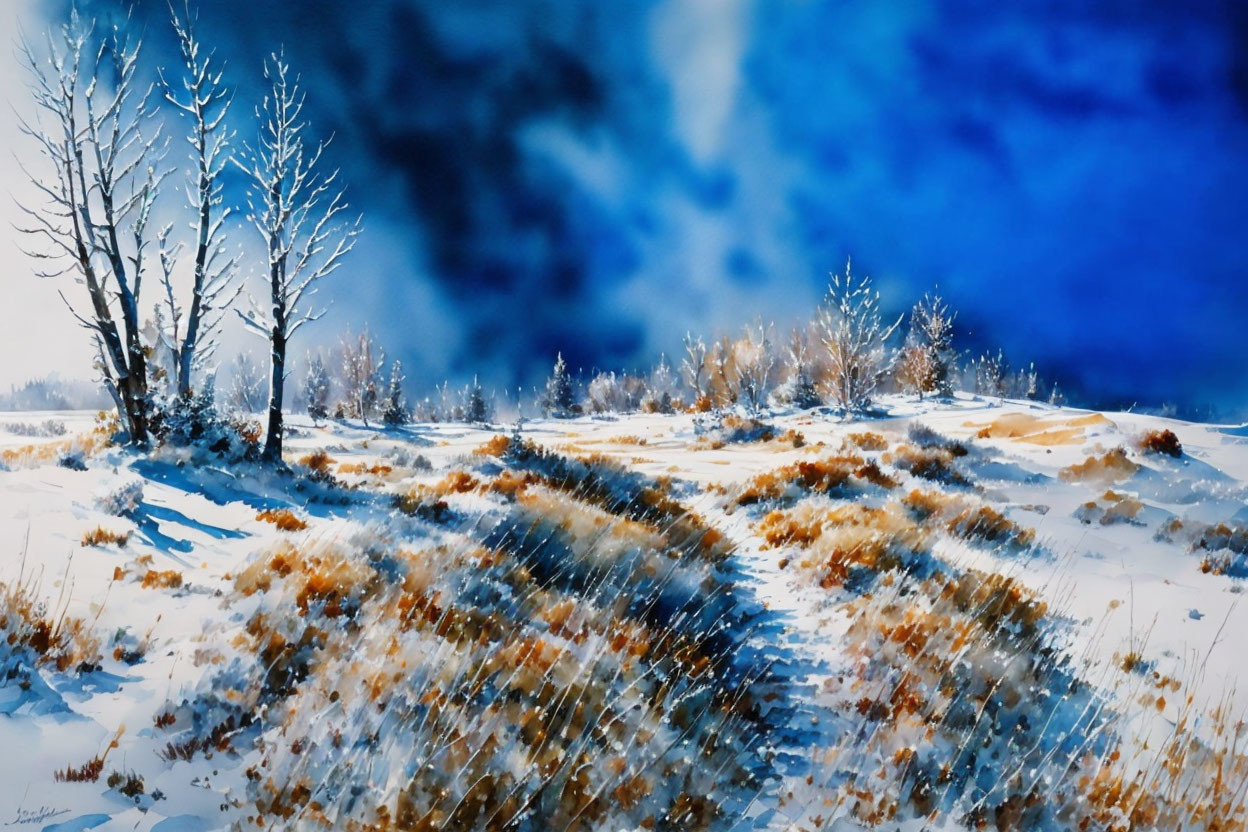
(801, 386)
(755, 361)
(926, 360)
(721, 360)
(915, 368)
(558, 399)
(395, 413)
(660, 394)
(299, 212)
(605, 394)
(102, 152)
(478, 409)
(855, 339)
(205, 101)
(360, 365)
(693, 368)
(316, 389)
(991, 373)
(246, 393)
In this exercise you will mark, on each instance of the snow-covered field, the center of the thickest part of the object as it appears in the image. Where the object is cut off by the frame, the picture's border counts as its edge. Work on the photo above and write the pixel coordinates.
(964, 614)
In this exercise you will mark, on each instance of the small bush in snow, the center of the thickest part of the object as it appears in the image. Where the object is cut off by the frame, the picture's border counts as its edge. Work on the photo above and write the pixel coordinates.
(122, 499)
(1161, 442)
(46, 428)
(404, 457)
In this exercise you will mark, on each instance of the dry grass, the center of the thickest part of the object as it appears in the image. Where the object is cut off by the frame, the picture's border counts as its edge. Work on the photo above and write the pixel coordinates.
(868, 441)
(1111, 467)
(1112, 507)
(58, 640)
(100, 536)
(318, 461)
(162, 579)
(496, 446)
(1024, 427)
(284, 519)
(363, 468)
(930, 463)
(90, 771)
(842, 475)
(571, 667)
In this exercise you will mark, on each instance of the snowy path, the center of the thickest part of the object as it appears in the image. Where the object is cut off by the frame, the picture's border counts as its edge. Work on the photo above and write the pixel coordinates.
(801, 641)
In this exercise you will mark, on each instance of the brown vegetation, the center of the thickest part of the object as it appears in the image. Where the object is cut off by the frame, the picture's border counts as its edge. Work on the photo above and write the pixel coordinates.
(100, 536)
(1111, 467)
(1161, 442)
(284, 519)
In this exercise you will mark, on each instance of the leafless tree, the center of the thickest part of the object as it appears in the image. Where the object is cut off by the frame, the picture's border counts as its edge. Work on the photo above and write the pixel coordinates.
(755, 361)
(299, 212)
(246, 393)
(203, 99)
(803, 371)
(926, 361)
(103, 154)
(693, 366)
(856, 339)
(360, 366)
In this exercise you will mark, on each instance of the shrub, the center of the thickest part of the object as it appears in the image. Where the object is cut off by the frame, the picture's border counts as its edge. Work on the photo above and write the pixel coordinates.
(840, 475)
(1161, 442)
(122, 499)
(46, 428)
(64, 642)
(100, 536)
(284, 519)
(930, 463)
(869, 441)
(167, 579)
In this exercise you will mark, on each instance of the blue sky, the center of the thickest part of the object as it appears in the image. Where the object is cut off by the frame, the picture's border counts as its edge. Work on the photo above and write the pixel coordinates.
(598, 177)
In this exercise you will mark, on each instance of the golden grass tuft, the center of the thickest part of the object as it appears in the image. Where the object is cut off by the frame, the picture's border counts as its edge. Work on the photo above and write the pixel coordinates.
(869, 441)
(363, 468)
(827, 475)
(932, 463)
(497, 446)
(61, 641)
(100, 536)
(1111, 467)
(284, 519)
(166, 579)
(317, 461)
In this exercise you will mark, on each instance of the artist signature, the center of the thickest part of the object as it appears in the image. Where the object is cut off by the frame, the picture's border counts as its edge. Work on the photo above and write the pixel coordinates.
(39, 815)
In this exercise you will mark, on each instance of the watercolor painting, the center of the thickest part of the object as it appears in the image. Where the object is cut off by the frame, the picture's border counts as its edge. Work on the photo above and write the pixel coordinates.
(623, 415)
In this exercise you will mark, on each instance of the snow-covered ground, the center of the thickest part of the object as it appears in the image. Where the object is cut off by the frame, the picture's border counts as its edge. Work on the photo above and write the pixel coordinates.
(1140, 587)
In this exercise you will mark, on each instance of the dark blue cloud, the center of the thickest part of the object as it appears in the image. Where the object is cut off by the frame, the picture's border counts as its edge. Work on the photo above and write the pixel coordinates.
(595, 178)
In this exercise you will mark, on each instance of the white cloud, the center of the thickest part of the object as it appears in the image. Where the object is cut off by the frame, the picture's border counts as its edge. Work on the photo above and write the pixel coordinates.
(700, 45)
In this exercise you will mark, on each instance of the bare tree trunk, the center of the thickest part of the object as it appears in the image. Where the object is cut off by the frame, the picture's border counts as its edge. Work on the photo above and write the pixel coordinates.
(277, 387)
(186, 351)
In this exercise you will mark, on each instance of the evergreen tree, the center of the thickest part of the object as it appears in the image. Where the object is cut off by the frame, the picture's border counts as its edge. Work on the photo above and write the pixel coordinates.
(559, 398)
(396, 410)
(316, 389)
(478, 409)
(926, 361)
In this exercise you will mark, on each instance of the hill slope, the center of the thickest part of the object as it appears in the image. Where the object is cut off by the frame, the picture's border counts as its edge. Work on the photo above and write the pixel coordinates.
(996, 615)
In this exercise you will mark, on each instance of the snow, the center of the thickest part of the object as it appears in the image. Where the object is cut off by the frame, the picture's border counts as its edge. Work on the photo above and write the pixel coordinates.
(1120, 588)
